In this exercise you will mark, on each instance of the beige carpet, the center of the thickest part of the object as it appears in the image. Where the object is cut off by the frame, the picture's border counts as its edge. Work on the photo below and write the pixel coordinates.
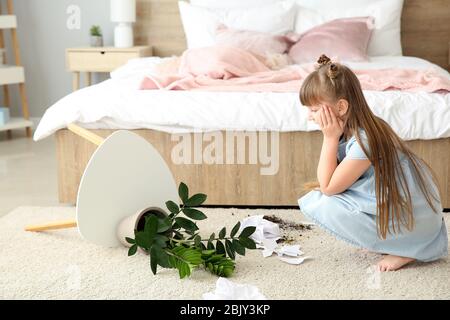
(60, 265)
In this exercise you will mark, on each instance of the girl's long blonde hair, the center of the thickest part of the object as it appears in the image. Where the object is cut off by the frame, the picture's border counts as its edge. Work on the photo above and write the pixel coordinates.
(333, 81)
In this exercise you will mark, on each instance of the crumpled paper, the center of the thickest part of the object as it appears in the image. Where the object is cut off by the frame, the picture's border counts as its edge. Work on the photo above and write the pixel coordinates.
(265, 230)
(266, 235)
(228, 290)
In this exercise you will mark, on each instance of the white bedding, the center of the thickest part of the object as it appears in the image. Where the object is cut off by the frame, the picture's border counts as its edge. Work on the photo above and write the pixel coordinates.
(118, 104)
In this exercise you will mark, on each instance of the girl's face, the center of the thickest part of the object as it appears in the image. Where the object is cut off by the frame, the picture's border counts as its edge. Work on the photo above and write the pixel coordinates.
(313, 111)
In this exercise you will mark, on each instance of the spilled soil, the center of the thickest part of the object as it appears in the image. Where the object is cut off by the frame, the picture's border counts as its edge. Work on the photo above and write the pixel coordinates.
(290, 231)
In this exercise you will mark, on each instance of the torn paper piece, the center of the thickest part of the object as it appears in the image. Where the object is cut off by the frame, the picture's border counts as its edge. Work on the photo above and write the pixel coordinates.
(227, 290)
(264, 229)
(266, 235)
(288, 250)
(292, 260)
(269, 246)
(292, 250)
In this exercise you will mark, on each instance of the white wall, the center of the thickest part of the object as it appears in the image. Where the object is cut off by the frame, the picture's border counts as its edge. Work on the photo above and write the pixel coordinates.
(43, 37)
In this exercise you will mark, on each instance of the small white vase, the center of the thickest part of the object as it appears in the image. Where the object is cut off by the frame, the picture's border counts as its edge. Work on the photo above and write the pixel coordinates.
(96, 41)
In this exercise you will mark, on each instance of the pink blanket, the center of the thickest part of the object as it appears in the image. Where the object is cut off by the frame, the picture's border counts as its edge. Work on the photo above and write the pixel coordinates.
(220, 68)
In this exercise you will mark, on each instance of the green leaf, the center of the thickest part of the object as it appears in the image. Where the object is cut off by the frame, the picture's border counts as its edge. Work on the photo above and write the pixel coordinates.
(187, 269)
(227, 272)
(160, 240)
(182, 271)
(96, 31)
(162, 256)
(247, 232)
(185, 259)
(247, 242)
(195, 200)
(235, 229)
(132, 250)
(130, 241)
(186, 224)
(229, 249)
(212, 236)
(220, 265)
(215, 258)
(238, 247)
(210, 246)
(151, 227)
(220, 248)
(203, 246)
(172, 206)
(176, 226)
(194, 214)
(153, 259)
(142, 240)
(208, 252)
(222, 233)
(164, 224)
(177, 235)
(197, 240)
(183, 192)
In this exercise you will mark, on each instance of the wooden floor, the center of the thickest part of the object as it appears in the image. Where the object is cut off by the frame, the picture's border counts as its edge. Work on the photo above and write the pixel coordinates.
(27, 172)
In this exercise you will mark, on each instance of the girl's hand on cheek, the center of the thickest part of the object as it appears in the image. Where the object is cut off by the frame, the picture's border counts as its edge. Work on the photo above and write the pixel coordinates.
(331, 126)
(318, 118)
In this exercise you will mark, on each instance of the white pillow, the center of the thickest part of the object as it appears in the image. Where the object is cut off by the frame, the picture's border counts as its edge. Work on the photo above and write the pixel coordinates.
(200, 24)
(230, 4)
(385, 40)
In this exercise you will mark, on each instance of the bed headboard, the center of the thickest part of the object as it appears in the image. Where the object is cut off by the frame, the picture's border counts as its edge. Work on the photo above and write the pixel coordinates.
(425, 28)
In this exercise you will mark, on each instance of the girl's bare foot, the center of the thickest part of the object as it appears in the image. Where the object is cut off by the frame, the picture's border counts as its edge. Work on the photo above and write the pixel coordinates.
(391, 263)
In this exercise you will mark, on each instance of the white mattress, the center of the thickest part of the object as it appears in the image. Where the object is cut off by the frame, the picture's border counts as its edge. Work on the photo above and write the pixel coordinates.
(118, 104)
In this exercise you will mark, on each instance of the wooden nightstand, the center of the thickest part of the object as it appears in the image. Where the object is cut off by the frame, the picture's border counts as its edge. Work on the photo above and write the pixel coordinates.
(100, 59)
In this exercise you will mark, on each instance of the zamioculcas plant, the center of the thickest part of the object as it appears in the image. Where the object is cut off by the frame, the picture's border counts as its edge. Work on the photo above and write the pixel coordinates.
(174, 241)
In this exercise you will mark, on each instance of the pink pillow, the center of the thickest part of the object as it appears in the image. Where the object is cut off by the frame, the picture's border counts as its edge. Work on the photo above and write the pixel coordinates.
(345, 38)
(260, 43)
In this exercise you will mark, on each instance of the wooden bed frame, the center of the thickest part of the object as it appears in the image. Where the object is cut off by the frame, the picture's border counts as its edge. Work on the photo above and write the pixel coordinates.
(425, 34)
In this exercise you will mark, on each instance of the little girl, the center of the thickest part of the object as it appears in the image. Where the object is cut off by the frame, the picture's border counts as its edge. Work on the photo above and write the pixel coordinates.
(377, 194)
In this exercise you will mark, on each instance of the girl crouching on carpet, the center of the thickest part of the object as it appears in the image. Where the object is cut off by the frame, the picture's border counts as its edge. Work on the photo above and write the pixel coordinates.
(376, 194)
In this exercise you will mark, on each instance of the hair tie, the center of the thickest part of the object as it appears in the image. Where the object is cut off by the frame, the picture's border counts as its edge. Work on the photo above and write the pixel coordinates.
(333, 68)
(323, 60)
(332, 71)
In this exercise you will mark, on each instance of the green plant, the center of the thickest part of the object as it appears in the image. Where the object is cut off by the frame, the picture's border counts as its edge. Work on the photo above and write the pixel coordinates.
(174, 241)
(96, 31)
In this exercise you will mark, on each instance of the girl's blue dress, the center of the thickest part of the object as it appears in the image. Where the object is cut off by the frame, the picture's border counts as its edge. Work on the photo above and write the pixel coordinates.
(351, 215)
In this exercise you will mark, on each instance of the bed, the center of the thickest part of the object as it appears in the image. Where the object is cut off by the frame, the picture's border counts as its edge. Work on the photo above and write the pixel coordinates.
(271, 121)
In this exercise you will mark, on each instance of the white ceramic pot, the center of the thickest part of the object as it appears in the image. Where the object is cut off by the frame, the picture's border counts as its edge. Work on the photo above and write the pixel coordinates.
(136, 222)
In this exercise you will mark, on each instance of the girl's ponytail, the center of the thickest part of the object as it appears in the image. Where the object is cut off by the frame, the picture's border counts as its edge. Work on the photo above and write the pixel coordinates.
(310, 186)
(332, 68)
